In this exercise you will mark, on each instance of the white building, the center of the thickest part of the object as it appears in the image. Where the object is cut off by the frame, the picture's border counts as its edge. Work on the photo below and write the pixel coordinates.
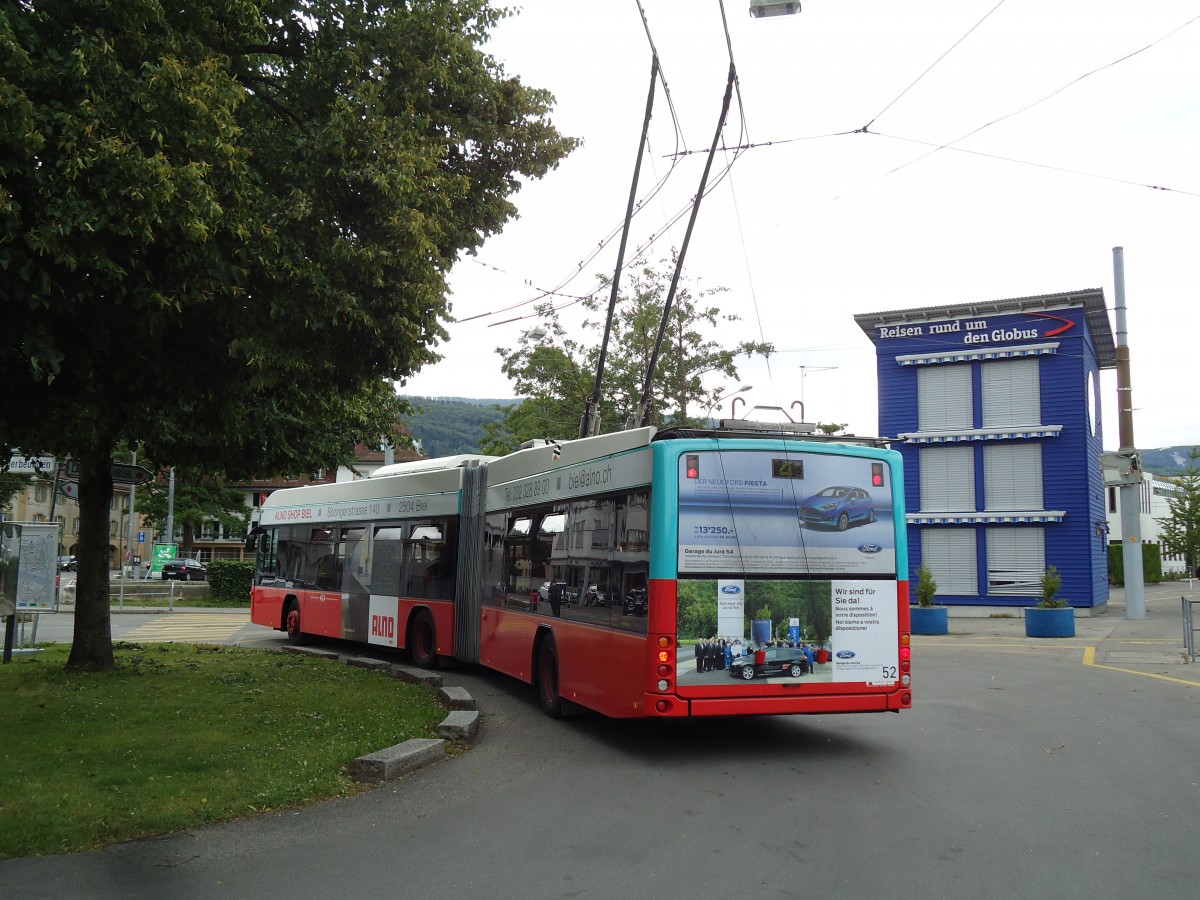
(1153, 495)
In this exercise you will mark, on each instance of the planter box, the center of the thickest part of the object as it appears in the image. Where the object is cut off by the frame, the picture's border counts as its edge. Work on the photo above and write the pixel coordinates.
(929, 619)
(1051, 623)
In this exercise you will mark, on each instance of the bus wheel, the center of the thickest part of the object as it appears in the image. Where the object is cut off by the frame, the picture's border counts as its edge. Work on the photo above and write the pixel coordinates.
(422, 640)
(291, 622)
(547, 678)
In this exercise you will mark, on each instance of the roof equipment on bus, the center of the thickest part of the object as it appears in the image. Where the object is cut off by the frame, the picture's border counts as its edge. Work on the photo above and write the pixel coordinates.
(438, 464)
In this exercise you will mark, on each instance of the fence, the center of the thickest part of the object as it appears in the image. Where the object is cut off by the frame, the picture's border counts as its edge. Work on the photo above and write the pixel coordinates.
(1189, 626)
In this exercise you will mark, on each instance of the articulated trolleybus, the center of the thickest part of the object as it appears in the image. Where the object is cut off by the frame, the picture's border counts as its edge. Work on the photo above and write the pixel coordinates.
(643, 573)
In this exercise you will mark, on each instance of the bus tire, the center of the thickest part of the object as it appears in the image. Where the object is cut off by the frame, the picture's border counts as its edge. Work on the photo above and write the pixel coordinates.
(291, 623)
(422, 640)
(547, 678)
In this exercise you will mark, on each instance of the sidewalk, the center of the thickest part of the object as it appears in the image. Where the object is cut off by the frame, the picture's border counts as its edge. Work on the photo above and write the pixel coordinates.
(1149, 643)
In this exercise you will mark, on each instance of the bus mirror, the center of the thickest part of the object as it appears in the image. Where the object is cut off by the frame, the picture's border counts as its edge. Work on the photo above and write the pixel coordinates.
(252, 538)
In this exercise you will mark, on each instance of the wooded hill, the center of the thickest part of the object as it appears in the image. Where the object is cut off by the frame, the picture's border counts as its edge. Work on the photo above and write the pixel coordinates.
(447, 426)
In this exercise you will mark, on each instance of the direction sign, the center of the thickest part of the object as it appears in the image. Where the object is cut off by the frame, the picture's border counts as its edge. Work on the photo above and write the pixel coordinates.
(31, 465)
(131, 474)
(121, 472)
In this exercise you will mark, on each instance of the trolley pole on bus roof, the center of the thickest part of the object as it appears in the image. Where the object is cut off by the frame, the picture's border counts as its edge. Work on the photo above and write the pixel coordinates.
(590, 425)
(1131, 490)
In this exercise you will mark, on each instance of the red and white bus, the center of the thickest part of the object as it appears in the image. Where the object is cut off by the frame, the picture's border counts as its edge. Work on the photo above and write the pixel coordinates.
(642, 573)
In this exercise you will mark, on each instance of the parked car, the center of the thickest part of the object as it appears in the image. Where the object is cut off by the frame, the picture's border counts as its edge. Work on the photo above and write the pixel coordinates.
(66, 563)
(839, 506)
(779, 661)
(184, 570)
(595, 596)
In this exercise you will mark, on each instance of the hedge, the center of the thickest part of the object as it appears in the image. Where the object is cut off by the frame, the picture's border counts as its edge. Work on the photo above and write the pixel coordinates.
(229, 580)
(1151, 564)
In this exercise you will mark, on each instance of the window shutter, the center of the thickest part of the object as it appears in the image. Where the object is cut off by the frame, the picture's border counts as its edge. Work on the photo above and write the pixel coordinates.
(949, 554)
(947, 479)
(1011, 393)
(1016, 561)
(944, 398)
(1012, 477)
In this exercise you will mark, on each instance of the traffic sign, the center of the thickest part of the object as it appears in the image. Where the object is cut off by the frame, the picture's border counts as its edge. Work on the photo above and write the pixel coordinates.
(69, 489)
(131, 474)
(31, 465)
(122, 473)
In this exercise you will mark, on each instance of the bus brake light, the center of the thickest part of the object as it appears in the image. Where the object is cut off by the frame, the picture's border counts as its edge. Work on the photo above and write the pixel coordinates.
(693, 465)
(876, 474)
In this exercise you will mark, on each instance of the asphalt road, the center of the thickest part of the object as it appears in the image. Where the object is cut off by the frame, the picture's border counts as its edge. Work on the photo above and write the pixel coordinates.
(1020, 772)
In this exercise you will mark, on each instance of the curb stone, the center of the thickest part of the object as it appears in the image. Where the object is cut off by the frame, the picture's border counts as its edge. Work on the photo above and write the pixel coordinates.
(462, 724)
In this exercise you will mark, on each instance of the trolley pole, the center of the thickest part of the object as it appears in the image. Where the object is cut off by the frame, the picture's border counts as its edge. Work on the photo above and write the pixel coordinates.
(1131, 494)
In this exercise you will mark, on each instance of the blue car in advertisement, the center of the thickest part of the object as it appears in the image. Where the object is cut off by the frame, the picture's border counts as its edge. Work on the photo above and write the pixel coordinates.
(839, 506)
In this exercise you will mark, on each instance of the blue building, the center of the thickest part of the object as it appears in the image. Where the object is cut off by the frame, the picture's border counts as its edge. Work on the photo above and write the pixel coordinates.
(995, 408)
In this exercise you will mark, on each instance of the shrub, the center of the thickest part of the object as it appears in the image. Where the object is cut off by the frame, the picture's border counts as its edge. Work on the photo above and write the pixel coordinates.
(926, 587)
(1051, 583)
(230, 579)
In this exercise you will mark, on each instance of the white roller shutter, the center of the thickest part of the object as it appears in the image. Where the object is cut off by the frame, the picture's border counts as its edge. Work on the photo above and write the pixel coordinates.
(1016, 561)
(944, 398)
(947, 479)
(1012, 477)
(949, 553)
(1011, 393)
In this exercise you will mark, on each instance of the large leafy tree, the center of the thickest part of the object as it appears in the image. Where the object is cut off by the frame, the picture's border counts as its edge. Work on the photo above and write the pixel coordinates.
(198, 498)
(554, 367)
(1181, 530)
(226, 224)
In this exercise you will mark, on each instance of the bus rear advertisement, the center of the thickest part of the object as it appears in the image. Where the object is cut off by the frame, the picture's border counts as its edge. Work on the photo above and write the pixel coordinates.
(641, 573)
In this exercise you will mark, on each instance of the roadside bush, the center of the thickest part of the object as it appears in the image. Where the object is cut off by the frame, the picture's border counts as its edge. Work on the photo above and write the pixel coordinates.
(1151, 564)
(229, 580)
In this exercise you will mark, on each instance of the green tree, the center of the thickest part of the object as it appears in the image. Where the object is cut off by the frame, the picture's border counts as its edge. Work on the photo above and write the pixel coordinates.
(1181, 530)
(554, 367)
(225, 227)
(200, 497)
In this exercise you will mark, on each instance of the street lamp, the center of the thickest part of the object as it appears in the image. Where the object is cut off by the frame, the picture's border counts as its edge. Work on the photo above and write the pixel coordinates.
(761, 9)
(804, 370)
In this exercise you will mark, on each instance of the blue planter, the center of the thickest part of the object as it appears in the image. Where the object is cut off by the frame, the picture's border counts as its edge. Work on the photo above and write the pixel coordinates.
(929, 620)
(1051, 623)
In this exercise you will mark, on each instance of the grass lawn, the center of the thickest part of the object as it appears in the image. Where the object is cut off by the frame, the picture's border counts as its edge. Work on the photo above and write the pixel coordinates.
(181, 735)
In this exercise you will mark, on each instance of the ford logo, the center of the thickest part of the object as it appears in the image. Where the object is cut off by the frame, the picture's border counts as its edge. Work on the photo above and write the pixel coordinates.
(845, 654)
(731, 589)
(869, 548)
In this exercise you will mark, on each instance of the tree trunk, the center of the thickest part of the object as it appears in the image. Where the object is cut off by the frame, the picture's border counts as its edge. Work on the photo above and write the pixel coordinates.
(91, 647)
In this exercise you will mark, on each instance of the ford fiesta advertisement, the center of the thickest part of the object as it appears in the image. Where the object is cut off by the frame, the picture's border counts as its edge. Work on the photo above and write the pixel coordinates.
(771, 512)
